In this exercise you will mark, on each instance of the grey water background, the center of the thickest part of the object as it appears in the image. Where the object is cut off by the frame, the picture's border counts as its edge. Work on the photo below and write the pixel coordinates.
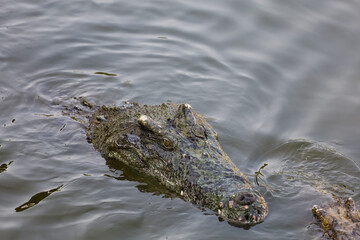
(278, 80)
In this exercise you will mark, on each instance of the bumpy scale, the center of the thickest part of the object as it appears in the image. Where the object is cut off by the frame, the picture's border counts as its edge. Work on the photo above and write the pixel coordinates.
(339, 220)
(178, 147)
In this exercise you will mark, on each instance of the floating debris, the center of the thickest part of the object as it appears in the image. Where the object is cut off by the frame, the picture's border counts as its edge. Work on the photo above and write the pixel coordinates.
(105, 73)
(45, 115)
(62, 128)
(4, 167)
(36, 199)
(258, 173)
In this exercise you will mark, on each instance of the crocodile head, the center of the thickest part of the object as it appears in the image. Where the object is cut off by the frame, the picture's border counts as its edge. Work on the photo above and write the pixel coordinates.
(178, 147)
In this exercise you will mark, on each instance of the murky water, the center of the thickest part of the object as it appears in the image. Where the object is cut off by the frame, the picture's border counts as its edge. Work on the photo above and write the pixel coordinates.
(278, 80)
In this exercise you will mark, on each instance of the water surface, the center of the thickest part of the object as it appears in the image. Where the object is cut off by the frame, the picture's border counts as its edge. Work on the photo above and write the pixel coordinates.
(278, 80)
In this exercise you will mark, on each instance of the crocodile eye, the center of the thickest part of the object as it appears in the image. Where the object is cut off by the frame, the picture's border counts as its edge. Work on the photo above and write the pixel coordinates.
(168, 144)
(199, 131)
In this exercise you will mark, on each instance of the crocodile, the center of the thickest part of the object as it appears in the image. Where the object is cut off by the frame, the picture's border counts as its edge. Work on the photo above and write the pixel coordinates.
(339, 219)
(177, 146)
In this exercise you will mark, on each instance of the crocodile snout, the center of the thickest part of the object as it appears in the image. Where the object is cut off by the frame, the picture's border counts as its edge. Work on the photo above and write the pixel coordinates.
(245, 198)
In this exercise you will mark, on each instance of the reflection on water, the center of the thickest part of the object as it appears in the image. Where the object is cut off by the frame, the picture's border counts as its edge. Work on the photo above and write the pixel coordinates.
(263, 72)
(147, 183)
(36, 199)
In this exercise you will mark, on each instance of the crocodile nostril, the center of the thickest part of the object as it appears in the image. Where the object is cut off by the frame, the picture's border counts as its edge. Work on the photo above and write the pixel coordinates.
(245, 199)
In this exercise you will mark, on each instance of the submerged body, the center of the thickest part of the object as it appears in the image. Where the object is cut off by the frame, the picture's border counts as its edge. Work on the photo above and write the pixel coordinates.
(339, 220)
(181, 150)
